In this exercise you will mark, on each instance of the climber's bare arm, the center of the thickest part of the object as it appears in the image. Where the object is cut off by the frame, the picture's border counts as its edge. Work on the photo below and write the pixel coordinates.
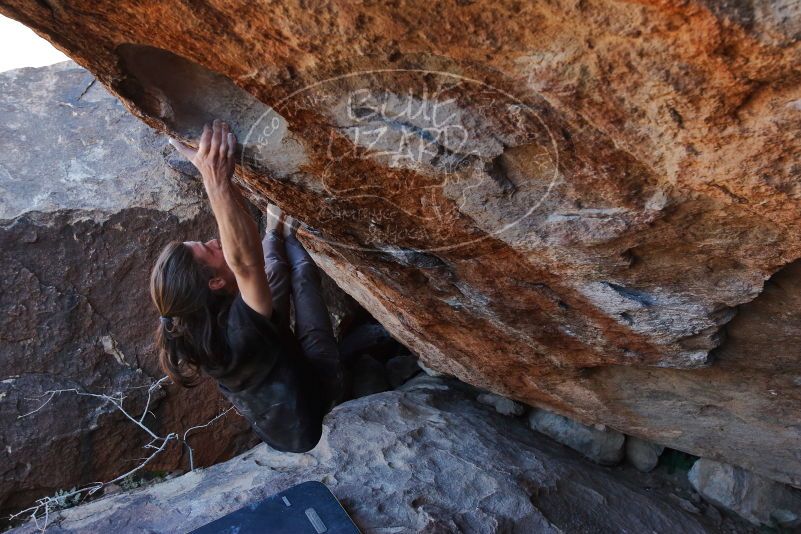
(239, 234)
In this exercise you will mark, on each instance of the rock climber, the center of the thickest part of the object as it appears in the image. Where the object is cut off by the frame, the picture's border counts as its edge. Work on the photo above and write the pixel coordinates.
(224, 311)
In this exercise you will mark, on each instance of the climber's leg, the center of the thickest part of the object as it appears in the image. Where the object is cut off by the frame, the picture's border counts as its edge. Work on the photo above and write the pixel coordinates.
(312, 322)
(276, 264)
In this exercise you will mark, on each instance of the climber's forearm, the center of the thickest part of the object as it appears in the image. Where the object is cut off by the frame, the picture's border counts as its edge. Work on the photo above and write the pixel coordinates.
(239, 233)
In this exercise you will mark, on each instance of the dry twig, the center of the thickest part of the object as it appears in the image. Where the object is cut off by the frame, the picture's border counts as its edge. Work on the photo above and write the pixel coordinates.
(45, 505)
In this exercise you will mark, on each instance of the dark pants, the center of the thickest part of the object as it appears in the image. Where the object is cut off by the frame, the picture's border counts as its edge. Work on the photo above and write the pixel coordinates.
(290, 270)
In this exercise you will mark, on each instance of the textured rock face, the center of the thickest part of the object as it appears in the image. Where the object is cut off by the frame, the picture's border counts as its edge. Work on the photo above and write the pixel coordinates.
(87, 200)
(755, 498)
(562, 202)
(601, 445)
(430, 459)
(642, 454)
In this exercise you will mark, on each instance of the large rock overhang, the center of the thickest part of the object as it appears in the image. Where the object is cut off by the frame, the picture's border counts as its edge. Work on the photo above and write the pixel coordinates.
(611, 180)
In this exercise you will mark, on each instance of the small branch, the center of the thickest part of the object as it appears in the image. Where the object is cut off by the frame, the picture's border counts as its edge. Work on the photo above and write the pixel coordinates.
(192, 452)
(171, 436)
(116, 401)
(52, 394)
(153, 386)
(157, 444)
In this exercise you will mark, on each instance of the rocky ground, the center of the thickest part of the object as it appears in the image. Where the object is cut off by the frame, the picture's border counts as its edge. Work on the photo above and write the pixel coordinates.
(427, 457)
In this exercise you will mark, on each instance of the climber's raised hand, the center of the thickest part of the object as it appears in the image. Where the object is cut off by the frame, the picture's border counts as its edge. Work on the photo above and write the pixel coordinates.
(214, 157)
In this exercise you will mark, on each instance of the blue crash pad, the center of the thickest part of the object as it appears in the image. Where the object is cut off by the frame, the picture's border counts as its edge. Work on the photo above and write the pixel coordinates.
(309, 507)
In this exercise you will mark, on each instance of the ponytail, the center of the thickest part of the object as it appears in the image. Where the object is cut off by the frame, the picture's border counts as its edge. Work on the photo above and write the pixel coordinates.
(188, 336)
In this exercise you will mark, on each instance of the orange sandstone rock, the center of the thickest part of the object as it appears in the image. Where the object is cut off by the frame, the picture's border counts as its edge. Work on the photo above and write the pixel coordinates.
(564, 202)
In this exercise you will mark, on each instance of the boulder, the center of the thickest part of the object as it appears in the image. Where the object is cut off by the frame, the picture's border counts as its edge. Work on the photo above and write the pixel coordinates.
(88, 197)
(429, 459)
(642, 454)
(429, 371)
(502, 405)
(754, 498)
(565, 202)
(368, 376)
(401, 368)
(599, 444)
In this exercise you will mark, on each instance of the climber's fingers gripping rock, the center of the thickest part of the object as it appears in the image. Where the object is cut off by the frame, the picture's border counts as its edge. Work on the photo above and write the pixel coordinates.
(214, 157)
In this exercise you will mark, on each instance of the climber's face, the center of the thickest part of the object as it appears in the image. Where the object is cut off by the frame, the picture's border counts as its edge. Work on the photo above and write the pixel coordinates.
(211, 255)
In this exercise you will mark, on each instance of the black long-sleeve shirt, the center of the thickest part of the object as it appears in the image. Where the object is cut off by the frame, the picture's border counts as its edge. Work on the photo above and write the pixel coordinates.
(269, 382)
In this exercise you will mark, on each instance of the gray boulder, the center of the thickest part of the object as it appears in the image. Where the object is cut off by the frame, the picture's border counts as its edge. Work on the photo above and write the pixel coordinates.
(501, 404)
(424, 458)
(757, 499)
(643, 454)
(599, 444)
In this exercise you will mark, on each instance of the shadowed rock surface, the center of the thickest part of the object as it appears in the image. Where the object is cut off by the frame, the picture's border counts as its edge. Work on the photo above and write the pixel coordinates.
(425, 458)
(562, 202)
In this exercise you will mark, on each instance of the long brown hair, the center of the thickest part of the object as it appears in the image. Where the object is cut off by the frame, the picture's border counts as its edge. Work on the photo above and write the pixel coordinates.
(189, 335)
